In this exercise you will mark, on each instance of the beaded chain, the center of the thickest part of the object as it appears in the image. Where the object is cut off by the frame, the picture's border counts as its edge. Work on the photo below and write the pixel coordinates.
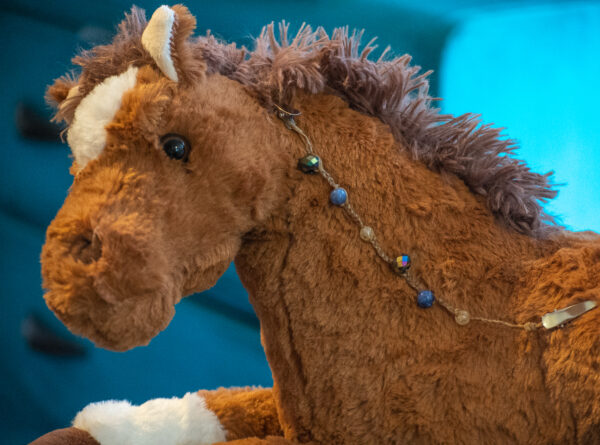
(312, 164)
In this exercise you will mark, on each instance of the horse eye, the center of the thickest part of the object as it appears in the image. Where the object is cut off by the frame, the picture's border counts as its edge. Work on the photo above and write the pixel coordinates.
(175, 146)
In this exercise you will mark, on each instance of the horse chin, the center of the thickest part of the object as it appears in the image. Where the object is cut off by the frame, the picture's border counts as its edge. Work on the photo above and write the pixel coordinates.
(131, 326)
(112, 323)
(206, 277)
(130, 322)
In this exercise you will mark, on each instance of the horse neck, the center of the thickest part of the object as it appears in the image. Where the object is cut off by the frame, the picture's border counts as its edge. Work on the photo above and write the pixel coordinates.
(457, 247)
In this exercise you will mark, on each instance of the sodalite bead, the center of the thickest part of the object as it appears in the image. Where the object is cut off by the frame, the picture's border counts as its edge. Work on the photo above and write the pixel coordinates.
(425, 299)
(309, 164)
(338, 196)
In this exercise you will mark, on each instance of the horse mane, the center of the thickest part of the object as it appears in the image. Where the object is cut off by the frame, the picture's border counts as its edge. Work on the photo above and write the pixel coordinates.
(391, 90)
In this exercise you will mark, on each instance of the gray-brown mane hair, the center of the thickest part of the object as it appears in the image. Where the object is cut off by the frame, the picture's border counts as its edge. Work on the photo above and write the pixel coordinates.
(391, 90)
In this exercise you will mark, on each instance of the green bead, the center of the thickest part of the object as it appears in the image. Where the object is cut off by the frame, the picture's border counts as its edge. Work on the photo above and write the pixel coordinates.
(309, 164)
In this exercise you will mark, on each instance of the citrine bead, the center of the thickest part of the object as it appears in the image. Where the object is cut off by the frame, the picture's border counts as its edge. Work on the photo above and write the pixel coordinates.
(425, 299)
(401, 264)
(309, 164)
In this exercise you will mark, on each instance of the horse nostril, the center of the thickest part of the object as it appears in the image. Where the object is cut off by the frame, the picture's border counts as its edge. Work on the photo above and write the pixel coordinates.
(87, 248)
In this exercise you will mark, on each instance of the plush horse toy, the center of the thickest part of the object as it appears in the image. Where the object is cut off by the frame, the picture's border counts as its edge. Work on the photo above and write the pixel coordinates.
(410, 287)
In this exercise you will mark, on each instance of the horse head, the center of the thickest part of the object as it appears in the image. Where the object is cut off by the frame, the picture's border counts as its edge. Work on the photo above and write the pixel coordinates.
(165, 184)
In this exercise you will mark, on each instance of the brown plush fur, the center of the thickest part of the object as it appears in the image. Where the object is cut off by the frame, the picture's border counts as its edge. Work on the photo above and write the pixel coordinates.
(354, 360)
(244, 412)
(66, 436)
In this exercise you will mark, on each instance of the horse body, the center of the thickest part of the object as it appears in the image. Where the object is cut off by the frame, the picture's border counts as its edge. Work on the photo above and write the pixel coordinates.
(354, 359)
(344, 335)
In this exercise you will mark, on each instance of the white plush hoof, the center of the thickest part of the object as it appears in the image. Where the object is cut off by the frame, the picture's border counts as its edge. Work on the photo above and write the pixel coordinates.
(176, 421)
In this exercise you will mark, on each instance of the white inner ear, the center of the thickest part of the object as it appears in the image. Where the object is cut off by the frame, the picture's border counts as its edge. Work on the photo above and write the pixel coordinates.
(87, 133)
(156, 39)
(73, 92)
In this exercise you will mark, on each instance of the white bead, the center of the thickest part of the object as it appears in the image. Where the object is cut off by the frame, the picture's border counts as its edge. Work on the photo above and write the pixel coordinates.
(367, 234)
(462, 317)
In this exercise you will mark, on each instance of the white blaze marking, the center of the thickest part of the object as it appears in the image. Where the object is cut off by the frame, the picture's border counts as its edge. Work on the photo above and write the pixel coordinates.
(87, 133)
(173, 421)
(156, 39)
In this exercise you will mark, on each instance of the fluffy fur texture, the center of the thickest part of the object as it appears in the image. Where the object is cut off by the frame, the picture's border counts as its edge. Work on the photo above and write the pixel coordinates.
(245, 412)
(66, 436)
(354, 360)
(86, 135)
(176, 421)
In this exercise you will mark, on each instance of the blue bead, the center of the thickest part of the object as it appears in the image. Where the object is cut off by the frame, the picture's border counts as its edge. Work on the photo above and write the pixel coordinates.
(425, 299)
(338, 196)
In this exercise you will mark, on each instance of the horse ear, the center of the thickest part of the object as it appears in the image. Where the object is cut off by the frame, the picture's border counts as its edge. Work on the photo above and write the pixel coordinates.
(166, 40)
(63, 95)
(59, 90)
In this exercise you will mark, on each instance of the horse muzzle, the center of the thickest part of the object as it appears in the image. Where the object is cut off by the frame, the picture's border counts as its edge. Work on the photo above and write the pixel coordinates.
(108, 280)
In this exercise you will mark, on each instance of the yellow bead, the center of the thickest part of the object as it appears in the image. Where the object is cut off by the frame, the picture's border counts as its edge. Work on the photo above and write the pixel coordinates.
(462, 317)
(367, 234)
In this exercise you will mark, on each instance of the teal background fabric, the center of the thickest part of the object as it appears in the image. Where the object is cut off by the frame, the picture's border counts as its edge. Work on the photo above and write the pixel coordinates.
(535, 71)
(531, 69)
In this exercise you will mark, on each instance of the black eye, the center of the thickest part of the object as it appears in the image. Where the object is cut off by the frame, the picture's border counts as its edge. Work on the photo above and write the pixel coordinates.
(175, 146)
